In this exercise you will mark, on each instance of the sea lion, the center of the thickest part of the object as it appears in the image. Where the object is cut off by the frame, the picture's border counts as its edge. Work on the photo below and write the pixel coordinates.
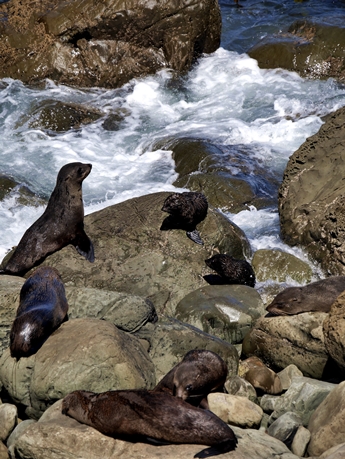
(317, 296)
(185, 211)
(42, 309)
(137, 415)
(62, 223)
(231, 270)
(199, 373)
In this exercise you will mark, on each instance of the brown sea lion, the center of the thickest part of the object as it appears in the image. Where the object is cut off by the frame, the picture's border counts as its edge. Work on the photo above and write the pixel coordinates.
(199, 373)
(185, 211)
(137, 415)
(317, 296)
(42, 309)
(231, 270)
(62, 223)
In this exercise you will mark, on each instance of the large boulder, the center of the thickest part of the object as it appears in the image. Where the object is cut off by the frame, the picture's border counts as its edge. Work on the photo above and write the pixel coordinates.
(334, 332)
(86, 354)
(92, 43)
(312, 195)
(133, 255)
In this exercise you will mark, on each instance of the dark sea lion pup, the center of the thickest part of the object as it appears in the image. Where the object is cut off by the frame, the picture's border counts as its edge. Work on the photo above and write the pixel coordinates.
(231, 270)
(317, 296)
(62, 223)
(185, 211)
(199, 373)
(42, 309)
(138, 415)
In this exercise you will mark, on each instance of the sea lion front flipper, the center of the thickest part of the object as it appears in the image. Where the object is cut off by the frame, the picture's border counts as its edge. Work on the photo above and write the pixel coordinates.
(195, 236)
(84, 246)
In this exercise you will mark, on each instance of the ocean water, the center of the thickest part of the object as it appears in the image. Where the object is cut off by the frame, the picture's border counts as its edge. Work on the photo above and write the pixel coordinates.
(226, 99)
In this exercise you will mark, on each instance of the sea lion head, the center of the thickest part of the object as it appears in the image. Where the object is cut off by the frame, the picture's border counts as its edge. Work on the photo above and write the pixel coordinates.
(288, 302)
(77, 405)
(173, 203)
(73, 173)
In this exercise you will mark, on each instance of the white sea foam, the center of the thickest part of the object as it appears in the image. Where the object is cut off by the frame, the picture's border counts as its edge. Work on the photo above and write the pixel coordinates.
(226, 98)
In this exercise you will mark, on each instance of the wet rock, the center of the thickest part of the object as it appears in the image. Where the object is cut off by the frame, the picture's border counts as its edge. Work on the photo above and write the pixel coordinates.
(279, 266)
(133, 256)
(235, 410)
(313, 49)
(285, 427)
(330, 413)
(284, 340)
(226, 311)
(87, 354)
(9, 187)
(103, 43)
(8, 420)
(311, 196)
(303, 398)
(170, 340)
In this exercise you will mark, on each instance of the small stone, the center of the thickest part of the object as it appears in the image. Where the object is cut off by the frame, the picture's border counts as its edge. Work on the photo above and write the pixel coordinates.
(285, 426)
(300, 441)
(287, 374)
(8, 420)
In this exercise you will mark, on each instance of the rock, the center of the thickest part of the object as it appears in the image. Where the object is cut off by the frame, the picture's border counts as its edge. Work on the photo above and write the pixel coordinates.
(311, 196)
(313, 49)
(235, 385)
(86, 354)
(16, 433)
(8, 420)
(170, 340)
(283, 340)
(286, 376)
(327, 424)
(336, 452)
(279, 266)
(300, 441)
(43, 439)
(3, 451)
(103, 43)
(226, 311)
(303, 397)
(235, 410)
(285, 427)
(133, 256)
(334, 332)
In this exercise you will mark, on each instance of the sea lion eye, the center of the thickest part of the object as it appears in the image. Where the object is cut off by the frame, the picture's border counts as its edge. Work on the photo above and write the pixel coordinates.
(189, 388)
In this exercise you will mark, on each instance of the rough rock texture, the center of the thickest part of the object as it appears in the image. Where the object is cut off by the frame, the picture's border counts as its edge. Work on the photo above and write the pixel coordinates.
(44, 439)
(334, 332)
(8, 420)
(132, 255)
(312, 195)
(336, 452)
(313, 49)
(226, 311)
(169, 341)
(283, 340)
(87, 354)
(92, 43)
(327, 424)
(3, 451)
(285, 426)
(280, 266)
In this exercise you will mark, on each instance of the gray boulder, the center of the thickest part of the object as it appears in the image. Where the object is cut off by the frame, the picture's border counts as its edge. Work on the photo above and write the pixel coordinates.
(226, 311)
(93, 43)
(87, 354)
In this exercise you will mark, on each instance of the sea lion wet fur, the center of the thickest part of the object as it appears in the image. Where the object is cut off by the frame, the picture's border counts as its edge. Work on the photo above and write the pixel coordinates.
(62, 223)
(140, 414)
(43, 307)
(314, 297)
(199, 373)
(231, 270)
(185, 211)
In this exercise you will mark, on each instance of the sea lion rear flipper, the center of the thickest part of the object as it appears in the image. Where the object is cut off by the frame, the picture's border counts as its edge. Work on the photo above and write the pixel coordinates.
(195, 236)
(84, 246)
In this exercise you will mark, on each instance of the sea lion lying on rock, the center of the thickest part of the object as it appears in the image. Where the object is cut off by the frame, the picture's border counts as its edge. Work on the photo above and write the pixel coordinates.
(137, 415)
(317, 297)
(186, 211)
(199, 373)
(231, 270)
(43, 307)
(62, 223)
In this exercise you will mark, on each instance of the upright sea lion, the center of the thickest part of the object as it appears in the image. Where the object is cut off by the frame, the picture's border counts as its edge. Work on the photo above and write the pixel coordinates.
(231, 270)
(317, 296)
(62, 223)
(199, 373)
(42, 309)
(185, 211)
(140, 414)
